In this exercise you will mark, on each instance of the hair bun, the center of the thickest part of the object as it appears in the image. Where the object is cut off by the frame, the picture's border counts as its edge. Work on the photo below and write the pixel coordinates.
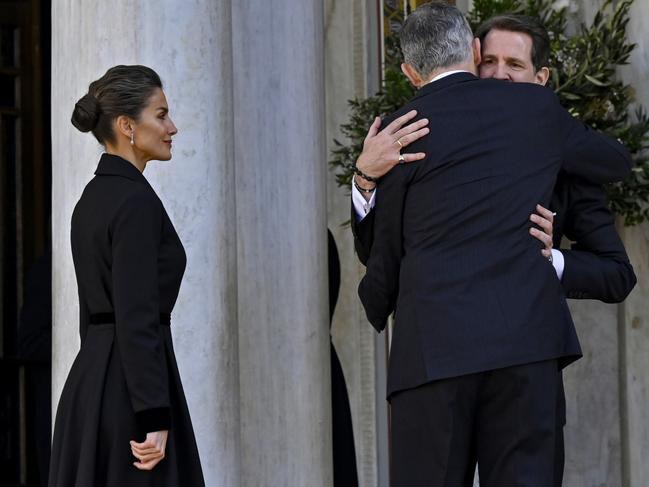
(86, 113)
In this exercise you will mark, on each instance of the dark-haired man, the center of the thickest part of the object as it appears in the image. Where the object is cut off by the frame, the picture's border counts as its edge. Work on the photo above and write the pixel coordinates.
(509, 52)
(516, 48)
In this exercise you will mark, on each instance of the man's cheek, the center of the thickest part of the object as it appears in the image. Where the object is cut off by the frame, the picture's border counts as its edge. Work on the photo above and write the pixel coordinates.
(486, 72)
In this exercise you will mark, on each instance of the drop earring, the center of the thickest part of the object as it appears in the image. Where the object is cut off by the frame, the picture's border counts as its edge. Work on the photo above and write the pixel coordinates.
(132, 140)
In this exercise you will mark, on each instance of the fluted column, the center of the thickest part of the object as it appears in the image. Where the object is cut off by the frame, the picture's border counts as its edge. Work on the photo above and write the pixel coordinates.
(281, 215)
(634, 324)
(189, 45)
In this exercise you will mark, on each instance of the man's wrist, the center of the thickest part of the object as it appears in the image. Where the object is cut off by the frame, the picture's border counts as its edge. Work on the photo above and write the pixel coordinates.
(558, 262)
(361, 169)
(360, 163)
(364, 176)
(363, 185)
(361, 203)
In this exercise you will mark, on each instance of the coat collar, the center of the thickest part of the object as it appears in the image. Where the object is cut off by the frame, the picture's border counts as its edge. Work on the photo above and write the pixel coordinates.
(444, 82)
(111, 165)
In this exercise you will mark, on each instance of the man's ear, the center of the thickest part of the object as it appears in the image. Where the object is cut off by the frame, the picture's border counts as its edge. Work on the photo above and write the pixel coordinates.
(542, 75)
(477, 50)
(412, 75)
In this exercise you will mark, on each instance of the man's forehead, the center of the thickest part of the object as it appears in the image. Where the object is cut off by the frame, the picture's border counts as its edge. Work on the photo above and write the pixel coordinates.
(509, 43)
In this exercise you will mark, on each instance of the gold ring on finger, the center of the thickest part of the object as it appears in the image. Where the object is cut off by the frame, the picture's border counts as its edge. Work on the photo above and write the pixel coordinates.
(401, 159)
(398, 141)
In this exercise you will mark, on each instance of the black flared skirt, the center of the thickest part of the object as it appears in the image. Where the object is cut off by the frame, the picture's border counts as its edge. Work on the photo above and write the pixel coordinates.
(95, 422)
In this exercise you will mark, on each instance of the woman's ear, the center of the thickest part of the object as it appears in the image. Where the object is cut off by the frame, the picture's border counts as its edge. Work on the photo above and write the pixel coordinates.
(124, 125)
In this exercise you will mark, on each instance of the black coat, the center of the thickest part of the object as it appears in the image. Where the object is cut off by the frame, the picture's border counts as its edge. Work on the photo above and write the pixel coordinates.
(451, 251)
(129, 264)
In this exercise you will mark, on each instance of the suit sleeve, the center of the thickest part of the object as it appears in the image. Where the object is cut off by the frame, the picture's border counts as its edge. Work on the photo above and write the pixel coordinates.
(592, 155)
(136, 239)
(379, 288)
(597, 265)
(363, 235)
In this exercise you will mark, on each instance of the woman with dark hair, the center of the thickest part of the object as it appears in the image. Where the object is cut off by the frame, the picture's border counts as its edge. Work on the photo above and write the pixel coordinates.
(122, 420)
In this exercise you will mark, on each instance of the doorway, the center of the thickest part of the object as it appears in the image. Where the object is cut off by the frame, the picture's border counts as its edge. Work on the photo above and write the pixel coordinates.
(25, 176)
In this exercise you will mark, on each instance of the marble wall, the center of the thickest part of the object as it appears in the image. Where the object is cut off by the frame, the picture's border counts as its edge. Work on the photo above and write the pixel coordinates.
(278, 57)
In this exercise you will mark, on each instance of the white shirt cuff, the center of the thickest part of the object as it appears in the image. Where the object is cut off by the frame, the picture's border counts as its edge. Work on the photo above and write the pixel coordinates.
(558, 262)
(362, 207)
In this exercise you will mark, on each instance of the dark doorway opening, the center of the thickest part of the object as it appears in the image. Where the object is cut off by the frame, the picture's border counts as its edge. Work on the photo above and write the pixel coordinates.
(25, 209)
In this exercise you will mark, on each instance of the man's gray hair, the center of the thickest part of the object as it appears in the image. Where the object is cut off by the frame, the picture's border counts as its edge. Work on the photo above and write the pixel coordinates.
(436, 35)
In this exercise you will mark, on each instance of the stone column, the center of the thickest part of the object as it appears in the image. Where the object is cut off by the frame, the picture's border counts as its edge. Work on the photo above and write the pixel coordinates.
(634, 363)
(281, 233)
(592, 432)
(352, 64)
(634, 324)
(189, 44)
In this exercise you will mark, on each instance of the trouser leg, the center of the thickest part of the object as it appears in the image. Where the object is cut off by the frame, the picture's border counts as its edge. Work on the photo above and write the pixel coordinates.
(432, 434)
(516, 426)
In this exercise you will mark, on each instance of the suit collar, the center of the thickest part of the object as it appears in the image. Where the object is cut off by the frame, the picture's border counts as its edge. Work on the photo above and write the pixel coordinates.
(449, 80)
(111, 165)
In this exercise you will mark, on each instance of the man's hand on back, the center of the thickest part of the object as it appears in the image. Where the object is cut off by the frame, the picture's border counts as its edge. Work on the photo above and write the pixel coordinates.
(381, 150)
(545, 220)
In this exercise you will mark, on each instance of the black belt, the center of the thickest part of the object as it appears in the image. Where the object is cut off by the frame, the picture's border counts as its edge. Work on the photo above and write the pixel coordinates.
(109, 318)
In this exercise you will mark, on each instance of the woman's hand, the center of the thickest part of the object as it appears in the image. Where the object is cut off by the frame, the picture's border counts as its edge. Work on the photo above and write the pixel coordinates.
(381, 150)
(545, 220)
(151, 451)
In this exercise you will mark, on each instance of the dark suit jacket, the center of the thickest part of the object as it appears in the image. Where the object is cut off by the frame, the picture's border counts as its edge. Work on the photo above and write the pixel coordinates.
(596, 265)
(452, 254)
(129, 261)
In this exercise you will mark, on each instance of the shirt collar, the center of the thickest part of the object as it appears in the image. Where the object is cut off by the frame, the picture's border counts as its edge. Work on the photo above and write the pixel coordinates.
(445, 74)
(445, 80)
